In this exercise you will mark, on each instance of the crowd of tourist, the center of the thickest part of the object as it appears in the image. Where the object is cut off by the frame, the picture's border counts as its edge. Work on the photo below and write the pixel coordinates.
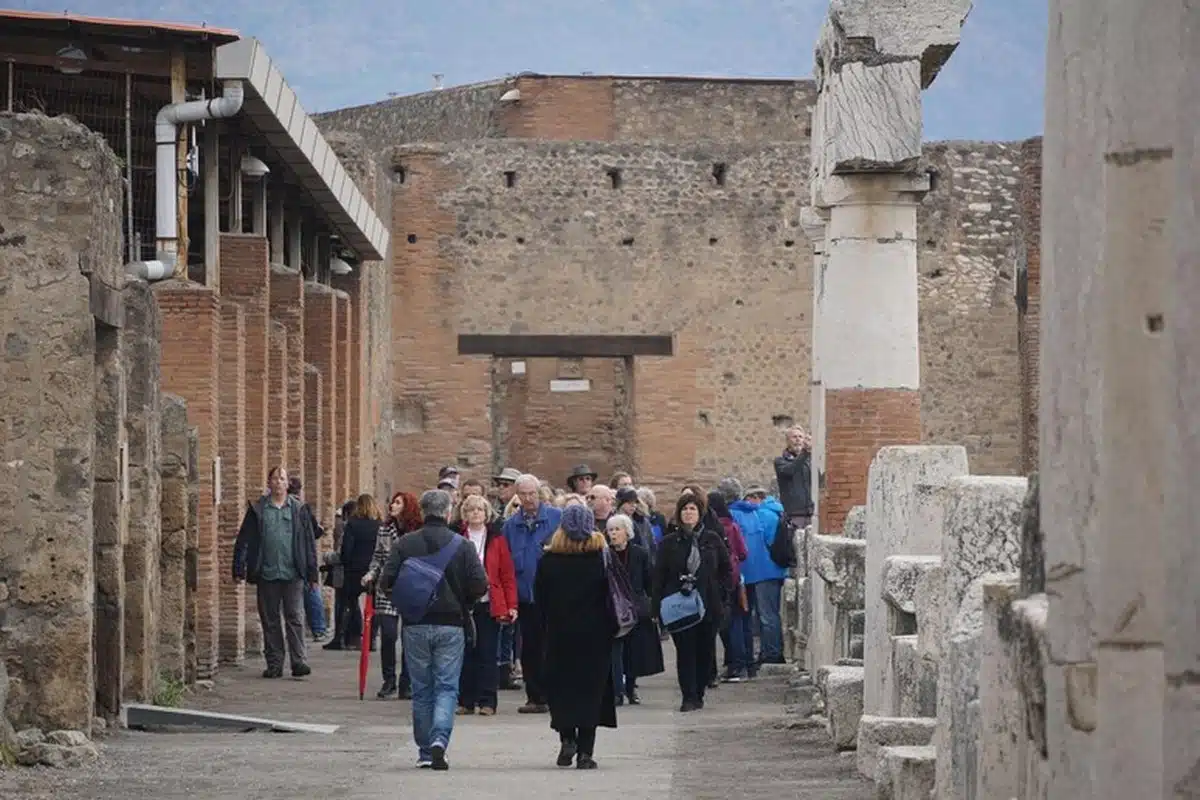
(566, 594)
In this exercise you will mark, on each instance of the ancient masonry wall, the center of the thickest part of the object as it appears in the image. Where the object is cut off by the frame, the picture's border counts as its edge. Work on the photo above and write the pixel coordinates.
(60, 243)
(666, 228)
(1029, 297)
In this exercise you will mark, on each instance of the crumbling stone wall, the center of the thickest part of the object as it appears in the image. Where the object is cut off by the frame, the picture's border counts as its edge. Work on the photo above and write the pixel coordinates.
(968, 227)
(143, 434)
(61, 236)
(176, 522)
(1029, 296)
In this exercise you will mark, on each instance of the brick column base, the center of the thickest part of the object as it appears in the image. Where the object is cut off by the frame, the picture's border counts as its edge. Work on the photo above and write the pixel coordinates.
(857, 423)
(232, 370)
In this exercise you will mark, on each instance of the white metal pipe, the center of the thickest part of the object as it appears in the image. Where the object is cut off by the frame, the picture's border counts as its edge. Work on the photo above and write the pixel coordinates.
(150, 270)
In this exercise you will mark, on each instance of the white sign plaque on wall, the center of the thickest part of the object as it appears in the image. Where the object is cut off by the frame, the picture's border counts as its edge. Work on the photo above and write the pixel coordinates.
(572, 385)
(518, 368)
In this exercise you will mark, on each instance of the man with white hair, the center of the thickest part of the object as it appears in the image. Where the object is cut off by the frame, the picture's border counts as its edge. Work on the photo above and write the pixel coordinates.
(527, 532)
(601, 500)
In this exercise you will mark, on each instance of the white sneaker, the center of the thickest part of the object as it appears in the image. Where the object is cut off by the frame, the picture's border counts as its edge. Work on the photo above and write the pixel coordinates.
(424, 763)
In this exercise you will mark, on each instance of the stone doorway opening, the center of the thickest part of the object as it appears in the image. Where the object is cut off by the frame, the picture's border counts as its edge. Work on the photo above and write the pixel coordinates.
(558, 401)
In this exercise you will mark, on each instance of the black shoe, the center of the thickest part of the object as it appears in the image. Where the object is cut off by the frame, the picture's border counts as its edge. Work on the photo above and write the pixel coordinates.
(566, 753)
(687, 706)
(387, 690)
(585, 762)
(334, 645)
(635, 699)
(354, 644)
(404, 693)
(438, 756)
(273, 672)
(301, 670)
(698, 704)
(619, 700)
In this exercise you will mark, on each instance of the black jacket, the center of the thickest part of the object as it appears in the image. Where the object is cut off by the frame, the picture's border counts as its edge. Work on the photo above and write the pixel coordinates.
(465, 579)
(358, 544)
(794, 474)
(247, 549)
(712, 579)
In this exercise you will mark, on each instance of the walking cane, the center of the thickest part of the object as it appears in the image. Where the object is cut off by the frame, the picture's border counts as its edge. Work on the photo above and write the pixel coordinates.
(364, 655)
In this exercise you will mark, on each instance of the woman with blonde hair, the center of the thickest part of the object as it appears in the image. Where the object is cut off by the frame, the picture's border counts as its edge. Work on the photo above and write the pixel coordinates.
(571, 587)
(478, 680)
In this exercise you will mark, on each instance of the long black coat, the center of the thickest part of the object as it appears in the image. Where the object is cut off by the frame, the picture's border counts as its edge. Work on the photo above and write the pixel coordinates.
(712, 579)
(643, 643)
(572, 595)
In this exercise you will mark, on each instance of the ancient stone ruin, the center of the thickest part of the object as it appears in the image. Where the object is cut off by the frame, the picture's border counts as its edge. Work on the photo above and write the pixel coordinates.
(1024, 637)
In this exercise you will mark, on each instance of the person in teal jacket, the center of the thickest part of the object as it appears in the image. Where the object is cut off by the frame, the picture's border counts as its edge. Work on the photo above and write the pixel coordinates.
(758, 517)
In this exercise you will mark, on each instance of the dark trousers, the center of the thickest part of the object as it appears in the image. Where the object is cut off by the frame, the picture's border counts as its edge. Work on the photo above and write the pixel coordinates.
(477, 684)
(533, 657)
(624, 678)
(281, 613)
(584, 739)
(693, 658)
(389, 636)
(352, 620)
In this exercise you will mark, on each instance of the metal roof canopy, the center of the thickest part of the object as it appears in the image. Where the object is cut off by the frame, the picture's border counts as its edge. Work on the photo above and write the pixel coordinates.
(273, 108)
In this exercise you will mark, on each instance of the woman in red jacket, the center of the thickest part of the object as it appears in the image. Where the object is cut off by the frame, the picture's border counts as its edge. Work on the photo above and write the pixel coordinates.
(477, 684)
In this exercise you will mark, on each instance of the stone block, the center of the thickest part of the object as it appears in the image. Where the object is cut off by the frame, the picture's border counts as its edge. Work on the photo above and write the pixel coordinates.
(982, 530)
(841, 690)
(907, 773)
(930, 611)
(840, 562)
(870, 119)
(900, 480)
(876, 733)
(958, 698)
(928, 30)
(915, 679)
(855, 526)
(1002, 725)
(900, 577)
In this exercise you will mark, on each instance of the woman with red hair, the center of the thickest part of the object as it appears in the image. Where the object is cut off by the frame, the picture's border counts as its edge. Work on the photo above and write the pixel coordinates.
(404, 516)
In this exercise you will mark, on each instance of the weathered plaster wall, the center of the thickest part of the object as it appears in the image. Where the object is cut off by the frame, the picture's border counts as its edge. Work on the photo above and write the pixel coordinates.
(60, 218)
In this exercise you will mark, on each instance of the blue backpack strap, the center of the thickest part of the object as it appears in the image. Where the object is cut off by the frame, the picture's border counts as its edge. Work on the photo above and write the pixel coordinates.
(441, 559)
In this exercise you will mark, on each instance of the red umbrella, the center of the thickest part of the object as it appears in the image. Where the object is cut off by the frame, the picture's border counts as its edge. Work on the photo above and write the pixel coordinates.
(364, 656)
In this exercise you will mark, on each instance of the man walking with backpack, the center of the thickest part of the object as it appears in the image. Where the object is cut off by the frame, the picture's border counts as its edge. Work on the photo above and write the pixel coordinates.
(433, 576)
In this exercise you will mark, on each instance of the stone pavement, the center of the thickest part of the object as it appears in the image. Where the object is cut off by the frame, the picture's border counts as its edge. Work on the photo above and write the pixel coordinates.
(739, 746)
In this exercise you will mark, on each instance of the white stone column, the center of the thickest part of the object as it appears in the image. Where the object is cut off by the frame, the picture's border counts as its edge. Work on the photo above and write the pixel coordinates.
(873, 60)
(815, 221)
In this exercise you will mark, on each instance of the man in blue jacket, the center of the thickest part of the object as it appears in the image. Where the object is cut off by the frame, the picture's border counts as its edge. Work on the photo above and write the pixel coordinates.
(758, 517)
(527, 532)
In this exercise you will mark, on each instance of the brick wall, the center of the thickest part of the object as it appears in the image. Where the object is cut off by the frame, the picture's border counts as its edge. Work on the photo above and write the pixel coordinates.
(562, 109)
(191, 325)
(858, 422)
(359, 477)
(1029, 320)
(348, 486)
(245, 278)
(315, 492)
(277, 396)
(232, 446)
(320, 349)
(287, 308)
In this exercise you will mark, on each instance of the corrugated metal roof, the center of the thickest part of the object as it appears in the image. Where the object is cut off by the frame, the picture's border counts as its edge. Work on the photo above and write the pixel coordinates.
(181, 29)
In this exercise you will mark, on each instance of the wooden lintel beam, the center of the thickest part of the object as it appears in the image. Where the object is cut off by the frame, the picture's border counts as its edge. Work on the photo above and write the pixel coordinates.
(564, 346)
(38, 51)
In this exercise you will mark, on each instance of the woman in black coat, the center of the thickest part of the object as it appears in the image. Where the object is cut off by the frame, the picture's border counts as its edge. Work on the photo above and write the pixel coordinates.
(709, 574)
(571, 589)
(358, 548)
(639, 653)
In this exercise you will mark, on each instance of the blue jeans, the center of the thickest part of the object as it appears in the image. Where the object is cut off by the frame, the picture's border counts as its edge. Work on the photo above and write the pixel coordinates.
(314, 607)
(740, 656)
(768, 595)
(506, 645)
(434, 654)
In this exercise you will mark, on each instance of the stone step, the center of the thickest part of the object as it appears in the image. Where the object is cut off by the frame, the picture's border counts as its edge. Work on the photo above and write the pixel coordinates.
(842, 693)
(876, 733)
(906, 772)
(858, 622)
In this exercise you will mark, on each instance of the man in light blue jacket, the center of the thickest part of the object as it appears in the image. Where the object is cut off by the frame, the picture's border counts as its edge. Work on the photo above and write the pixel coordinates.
(758, 516)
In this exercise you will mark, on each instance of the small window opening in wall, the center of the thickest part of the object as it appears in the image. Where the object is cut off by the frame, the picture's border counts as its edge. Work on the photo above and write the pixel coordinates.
(712, 240)
(718, 173)
(510, 178)
(520, 240)
(1155, 323)
(400, 173)
(627, 241)
(412, 238)
(614, 177)
(789, 243)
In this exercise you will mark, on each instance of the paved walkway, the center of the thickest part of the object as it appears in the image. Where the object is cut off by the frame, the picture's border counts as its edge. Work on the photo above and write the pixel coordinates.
(738, 746)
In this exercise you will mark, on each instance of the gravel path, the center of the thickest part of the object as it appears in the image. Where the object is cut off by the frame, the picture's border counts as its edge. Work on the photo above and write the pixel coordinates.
(739, 746)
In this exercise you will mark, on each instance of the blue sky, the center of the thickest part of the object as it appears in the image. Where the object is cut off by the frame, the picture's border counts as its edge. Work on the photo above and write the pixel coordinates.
(351, 52)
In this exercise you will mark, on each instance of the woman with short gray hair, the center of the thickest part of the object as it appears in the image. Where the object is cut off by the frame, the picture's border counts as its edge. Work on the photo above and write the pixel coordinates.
(639, 653)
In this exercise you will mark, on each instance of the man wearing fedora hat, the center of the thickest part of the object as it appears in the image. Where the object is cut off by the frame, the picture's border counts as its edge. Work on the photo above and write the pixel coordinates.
(505, 481)
(581, 479)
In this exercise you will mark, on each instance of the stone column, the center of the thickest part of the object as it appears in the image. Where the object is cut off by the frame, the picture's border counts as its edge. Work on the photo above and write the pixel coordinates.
(287, 308)
(815, 223)
(348, 398)
(232, 446)
(172, 594)
(320, 349)
(872, 64)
